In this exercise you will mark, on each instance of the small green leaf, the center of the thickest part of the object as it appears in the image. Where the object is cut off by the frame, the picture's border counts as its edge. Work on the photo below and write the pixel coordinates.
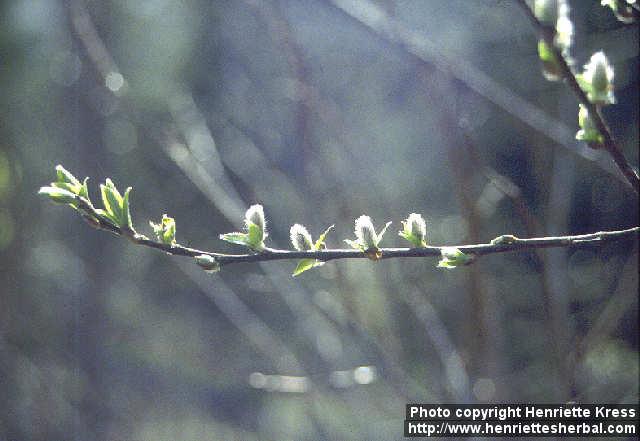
(126, 212)
(168, 229)
(382, 232)
(237, 238)
(112, 201)
(255, 236)
(416, 241)
(84, 191)
(66, 181)
(103, 214)
(108, 211)
(75, 189)
(409, 237)
(58, 195)
(304, 265)
(320, 242)
(64, 176)
(354, 244)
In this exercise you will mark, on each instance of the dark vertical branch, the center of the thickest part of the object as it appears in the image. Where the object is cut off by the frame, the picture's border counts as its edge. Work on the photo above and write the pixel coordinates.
(280, 31)
(594, 111)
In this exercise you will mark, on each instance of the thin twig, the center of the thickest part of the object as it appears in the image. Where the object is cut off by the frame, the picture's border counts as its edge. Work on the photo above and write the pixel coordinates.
(548, 35)
(513, 244)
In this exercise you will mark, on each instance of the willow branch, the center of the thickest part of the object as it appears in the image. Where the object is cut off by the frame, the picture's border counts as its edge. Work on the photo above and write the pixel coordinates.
(513, 244)
(548, 35)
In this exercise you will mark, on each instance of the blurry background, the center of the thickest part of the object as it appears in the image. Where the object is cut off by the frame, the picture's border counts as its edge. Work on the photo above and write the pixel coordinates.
(321, 110)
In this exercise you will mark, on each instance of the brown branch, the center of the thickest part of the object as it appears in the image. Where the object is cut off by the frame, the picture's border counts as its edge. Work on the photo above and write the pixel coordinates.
(512, 244)
(548, 35)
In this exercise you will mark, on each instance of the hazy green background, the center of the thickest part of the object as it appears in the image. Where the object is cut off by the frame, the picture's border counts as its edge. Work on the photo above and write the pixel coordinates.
(300, 107)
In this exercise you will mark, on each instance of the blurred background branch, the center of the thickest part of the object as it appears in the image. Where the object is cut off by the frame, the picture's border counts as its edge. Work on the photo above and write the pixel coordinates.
(373, 17)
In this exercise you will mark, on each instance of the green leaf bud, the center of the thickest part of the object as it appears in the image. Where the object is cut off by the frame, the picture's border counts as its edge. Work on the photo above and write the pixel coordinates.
(255, 224)
(112, 201)
(116, 206)
(301, 240)
(452, 257)
(66, 181)
(588, 131)
(366, 236)
(505, 239)
(208, 263)
(165, 230)
(414, 230)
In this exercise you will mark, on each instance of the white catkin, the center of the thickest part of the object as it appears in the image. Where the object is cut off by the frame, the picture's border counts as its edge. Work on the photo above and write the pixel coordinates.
(300, 238)
(255, 214)
(598, 72)
(365, 232)
(418, 226)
